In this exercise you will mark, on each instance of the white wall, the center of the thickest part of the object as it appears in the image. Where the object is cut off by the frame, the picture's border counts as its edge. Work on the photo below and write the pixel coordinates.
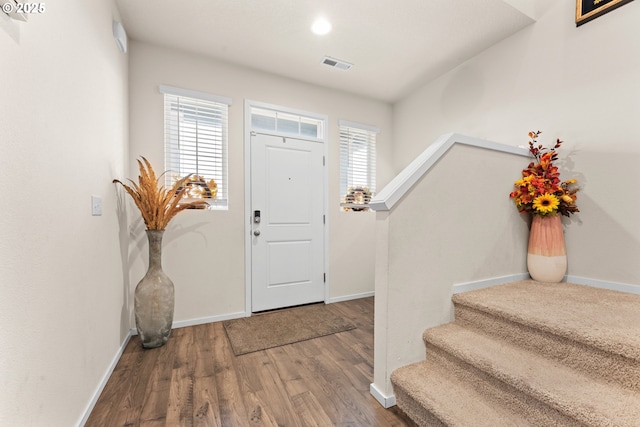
(578, 84)
(204, 250)
(63, 138)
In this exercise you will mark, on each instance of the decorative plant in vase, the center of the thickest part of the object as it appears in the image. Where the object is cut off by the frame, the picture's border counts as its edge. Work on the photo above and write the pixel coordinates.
(154, 294)
(197, 187)
(541, 193)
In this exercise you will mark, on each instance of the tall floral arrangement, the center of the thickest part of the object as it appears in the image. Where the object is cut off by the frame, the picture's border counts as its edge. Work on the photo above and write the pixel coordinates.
(540, 190)
(157, 204)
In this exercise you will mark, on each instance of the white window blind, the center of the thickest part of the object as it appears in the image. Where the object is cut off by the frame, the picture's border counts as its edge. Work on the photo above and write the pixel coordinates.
(195, 136)
(357, 156)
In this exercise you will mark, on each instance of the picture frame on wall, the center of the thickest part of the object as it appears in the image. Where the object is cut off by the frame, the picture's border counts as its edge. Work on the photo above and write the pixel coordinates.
(587, 10)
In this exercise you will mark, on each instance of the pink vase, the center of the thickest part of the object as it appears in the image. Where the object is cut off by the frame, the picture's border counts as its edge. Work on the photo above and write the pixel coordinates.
(546, 257)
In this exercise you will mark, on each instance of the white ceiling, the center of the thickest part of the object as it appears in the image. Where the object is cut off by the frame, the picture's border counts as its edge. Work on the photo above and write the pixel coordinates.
(395, 46)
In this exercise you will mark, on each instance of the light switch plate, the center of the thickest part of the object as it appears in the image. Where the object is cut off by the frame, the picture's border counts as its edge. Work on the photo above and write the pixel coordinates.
(96, 205)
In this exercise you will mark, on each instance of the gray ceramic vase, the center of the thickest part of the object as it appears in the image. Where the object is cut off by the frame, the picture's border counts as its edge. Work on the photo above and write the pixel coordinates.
(154, 298)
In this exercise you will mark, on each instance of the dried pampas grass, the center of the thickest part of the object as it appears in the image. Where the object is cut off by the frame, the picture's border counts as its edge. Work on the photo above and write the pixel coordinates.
(157, 204)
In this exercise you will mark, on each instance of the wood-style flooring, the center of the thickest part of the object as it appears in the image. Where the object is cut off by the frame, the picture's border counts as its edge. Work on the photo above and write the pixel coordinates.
(195, 380)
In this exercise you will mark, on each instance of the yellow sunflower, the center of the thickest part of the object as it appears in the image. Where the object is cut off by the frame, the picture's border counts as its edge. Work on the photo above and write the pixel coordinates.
(546, 203)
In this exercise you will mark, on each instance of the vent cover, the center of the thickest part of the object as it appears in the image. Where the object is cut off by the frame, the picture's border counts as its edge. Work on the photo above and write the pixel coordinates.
(336, 63)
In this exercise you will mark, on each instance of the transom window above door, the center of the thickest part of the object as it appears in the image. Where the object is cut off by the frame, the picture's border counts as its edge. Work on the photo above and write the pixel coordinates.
(265, 119)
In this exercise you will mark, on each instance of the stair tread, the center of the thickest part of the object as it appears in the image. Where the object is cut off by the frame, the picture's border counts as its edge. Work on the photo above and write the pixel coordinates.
(450, 399)
(569, 391)
(605, 319)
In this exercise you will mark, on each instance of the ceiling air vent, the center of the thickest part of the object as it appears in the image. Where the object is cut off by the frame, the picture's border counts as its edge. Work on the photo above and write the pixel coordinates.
(336, 63)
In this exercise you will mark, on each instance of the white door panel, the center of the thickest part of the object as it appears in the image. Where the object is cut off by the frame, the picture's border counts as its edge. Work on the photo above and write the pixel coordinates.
(289, 185)
(288, 263)
(288, 243)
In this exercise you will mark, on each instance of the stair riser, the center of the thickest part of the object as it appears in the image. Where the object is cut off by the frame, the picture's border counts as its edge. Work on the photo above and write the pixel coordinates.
(535, 411)
(418, 413)
(429, 391)
(587, 359)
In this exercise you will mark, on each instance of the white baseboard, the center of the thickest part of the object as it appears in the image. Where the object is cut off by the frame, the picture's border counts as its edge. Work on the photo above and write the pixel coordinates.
(384, 400)
(472, 286)
(622, 287)
(202, 320)
(350, 297)
(603, 284)
(211, 319)
(105, 379)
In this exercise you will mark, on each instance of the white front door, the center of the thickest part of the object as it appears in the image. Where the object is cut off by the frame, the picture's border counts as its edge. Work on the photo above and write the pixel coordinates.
(287, 255)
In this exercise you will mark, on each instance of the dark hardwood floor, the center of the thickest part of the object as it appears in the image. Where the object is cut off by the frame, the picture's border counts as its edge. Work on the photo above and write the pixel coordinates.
(195, 380)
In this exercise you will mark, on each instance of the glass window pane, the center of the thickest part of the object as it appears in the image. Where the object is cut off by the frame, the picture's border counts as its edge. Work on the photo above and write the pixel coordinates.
(259, 121)
(288, 126)
(309, 129)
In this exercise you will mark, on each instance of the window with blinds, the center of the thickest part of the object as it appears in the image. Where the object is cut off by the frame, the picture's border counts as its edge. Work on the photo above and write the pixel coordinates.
(265, 119)
(357, 164)
(195, 133)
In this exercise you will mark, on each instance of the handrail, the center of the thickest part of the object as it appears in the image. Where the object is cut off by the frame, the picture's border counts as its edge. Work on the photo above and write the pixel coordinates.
(405, 180)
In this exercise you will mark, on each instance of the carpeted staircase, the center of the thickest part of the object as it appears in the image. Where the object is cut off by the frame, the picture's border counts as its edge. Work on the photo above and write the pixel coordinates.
(529, 354)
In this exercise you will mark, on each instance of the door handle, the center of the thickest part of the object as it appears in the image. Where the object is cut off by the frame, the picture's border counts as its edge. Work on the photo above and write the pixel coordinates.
(256, 233)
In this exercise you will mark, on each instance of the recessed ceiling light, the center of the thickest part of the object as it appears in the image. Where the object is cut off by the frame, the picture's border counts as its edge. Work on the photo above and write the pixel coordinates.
(321, 27)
